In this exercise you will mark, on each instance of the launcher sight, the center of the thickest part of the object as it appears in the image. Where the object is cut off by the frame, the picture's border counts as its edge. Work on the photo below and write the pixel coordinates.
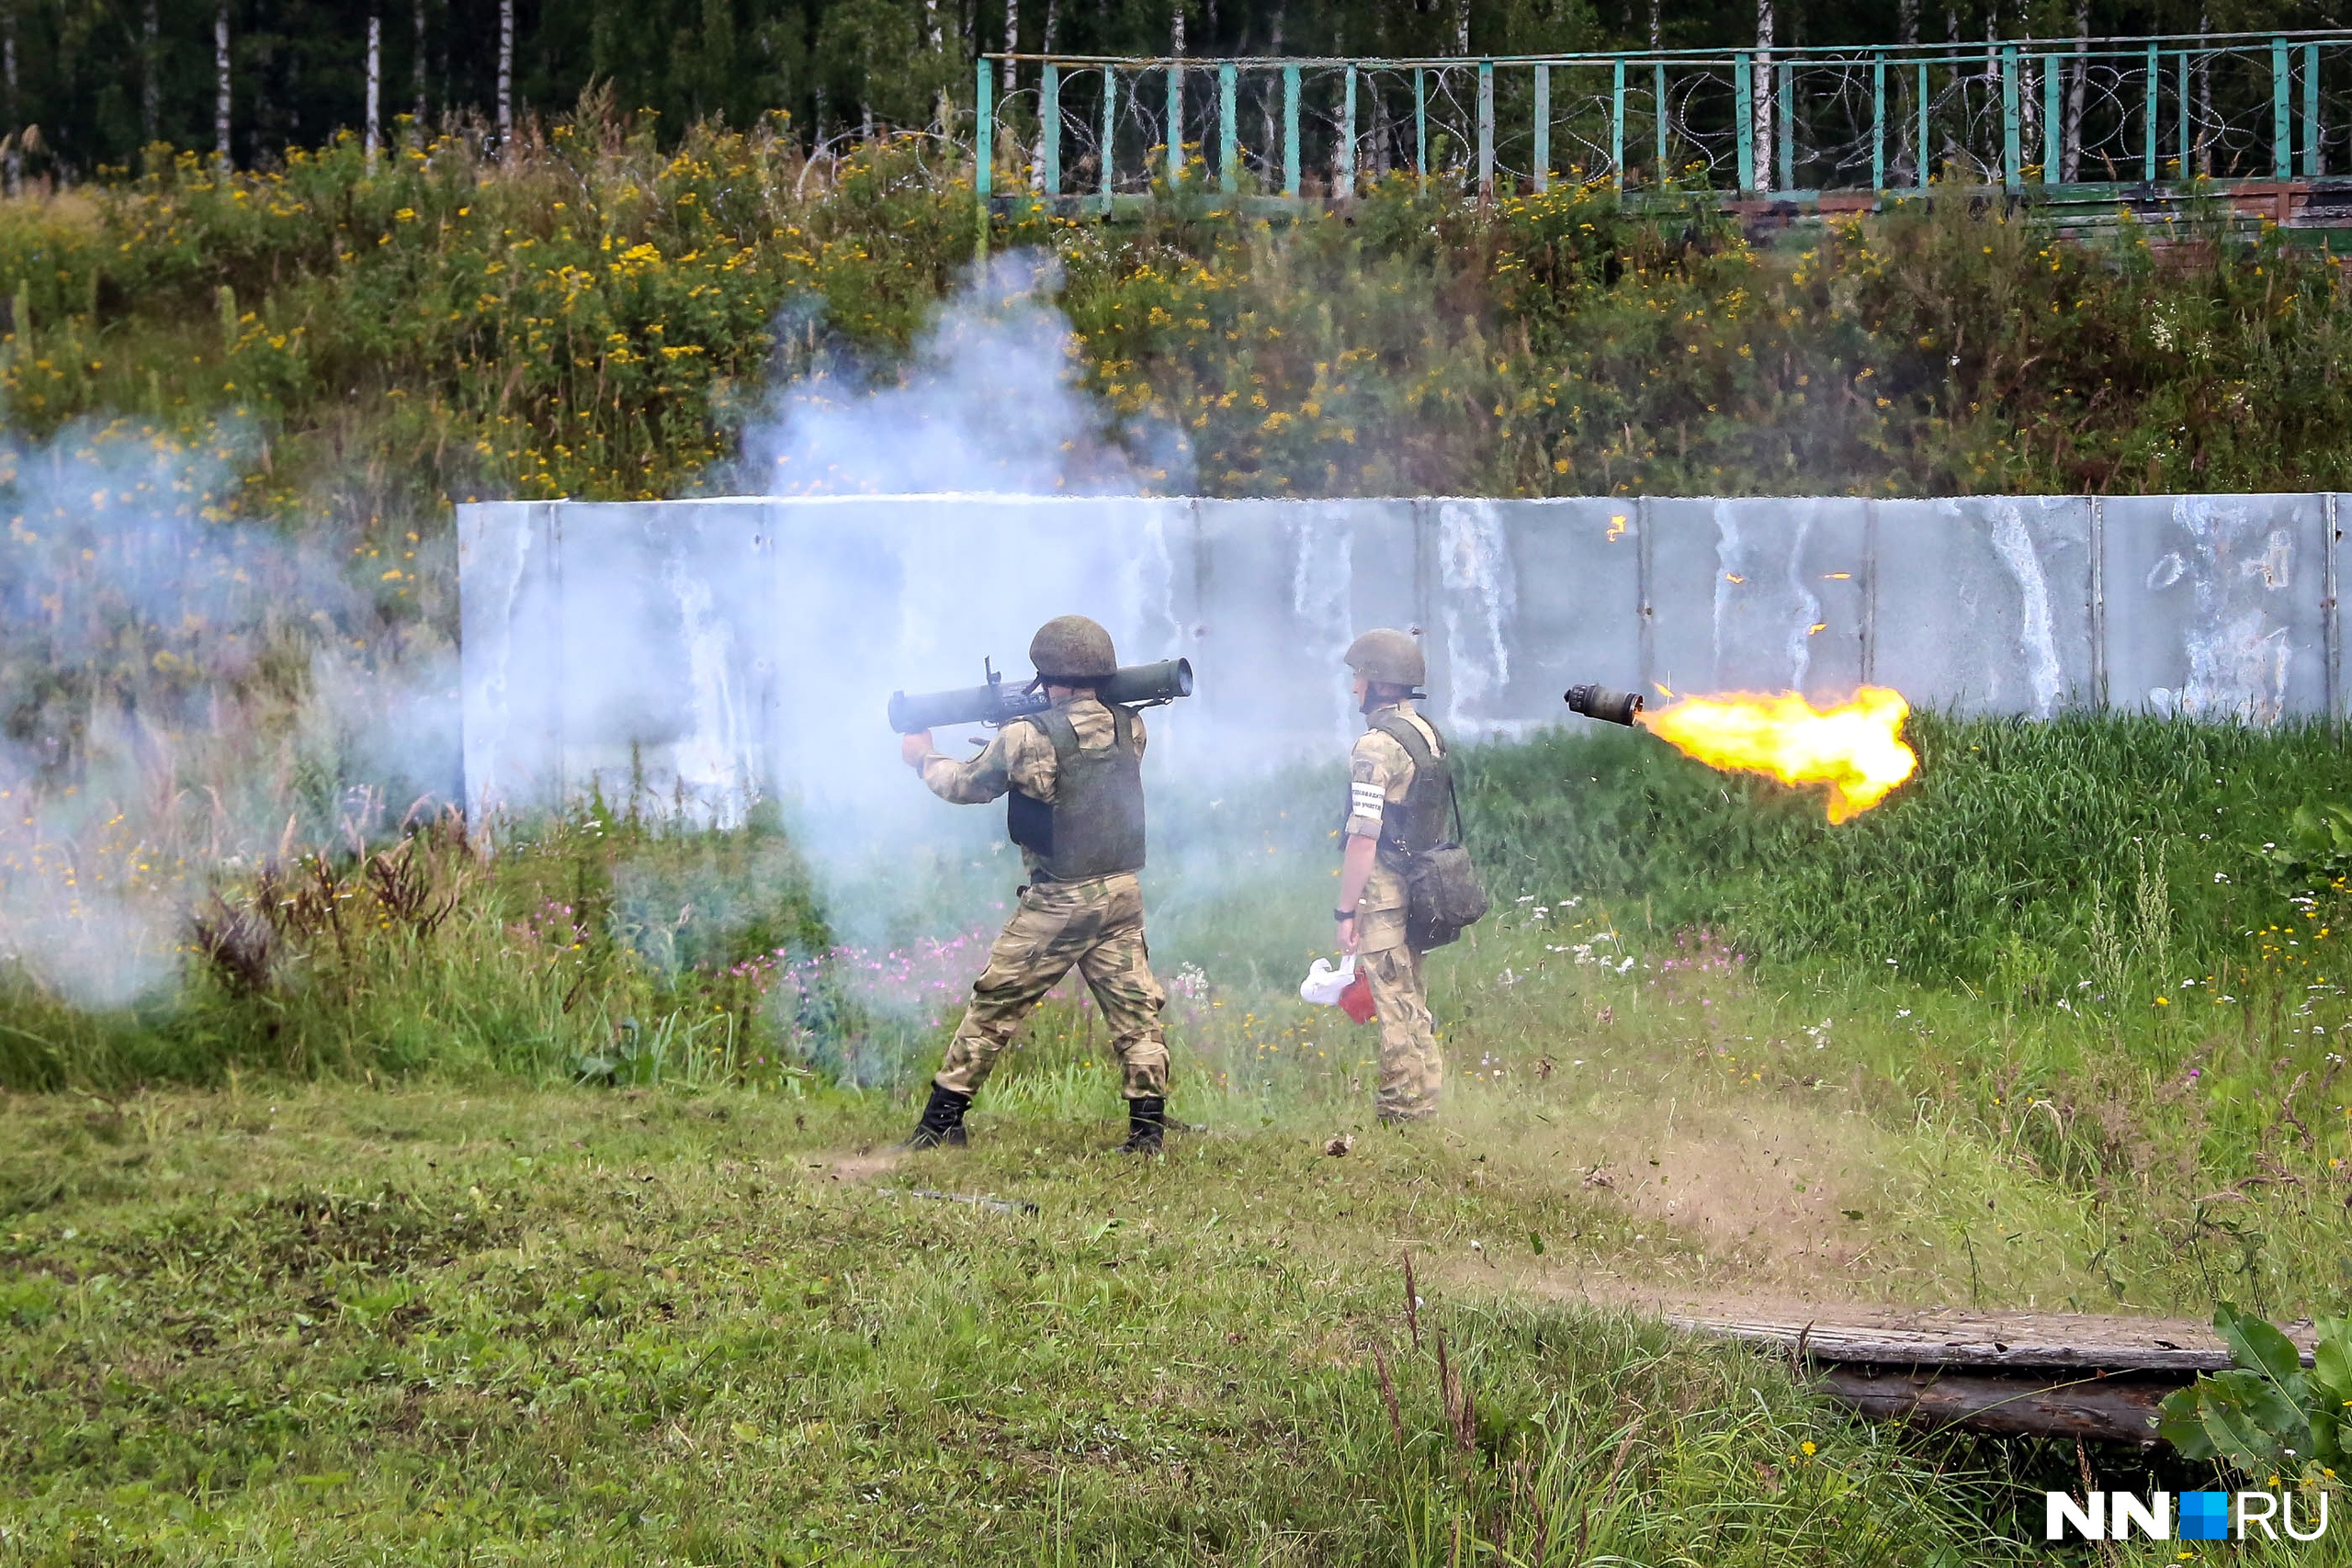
(1136, 686)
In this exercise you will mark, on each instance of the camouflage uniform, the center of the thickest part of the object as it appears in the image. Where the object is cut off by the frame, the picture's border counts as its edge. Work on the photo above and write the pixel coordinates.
(1380, 772)
(1095, 924)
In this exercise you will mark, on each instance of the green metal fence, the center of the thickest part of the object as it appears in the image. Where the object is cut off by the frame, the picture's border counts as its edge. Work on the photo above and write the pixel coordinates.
(2037, 116)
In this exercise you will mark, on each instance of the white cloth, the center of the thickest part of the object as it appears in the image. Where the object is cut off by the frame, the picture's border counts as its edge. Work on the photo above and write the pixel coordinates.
(1324, 984)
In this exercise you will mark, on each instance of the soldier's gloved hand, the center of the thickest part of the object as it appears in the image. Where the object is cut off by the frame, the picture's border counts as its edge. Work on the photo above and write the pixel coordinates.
(913, 748)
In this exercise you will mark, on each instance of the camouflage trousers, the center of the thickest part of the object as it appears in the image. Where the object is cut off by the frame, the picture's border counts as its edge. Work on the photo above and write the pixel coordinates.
(1411, 1072)
(1096, 925)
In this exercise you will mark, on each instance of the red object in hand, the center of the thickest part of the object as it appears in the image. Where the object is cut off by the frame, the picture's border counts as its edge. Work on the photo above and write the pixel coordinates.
(1356, 1000)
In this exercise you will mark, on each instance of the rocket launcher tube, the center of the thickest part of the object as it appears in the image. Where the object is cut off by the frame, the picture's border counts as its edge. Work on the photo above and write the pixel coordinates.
(1136, 686)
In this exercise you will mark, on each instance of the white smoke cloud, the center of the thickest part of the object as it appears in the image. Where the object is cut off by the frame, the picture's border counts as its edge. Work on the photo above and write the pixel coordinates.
(178, 692)
(989, 401)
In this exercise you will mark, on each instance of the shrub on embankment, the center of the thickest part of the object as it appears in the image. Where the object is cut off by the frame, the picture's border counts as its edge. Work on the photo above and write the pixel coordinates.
(592, 316)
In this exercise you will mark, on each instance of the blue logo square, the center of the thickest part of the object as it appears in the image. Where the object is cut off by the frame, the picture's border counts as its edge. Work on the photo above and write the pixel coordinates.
(2204, 1515)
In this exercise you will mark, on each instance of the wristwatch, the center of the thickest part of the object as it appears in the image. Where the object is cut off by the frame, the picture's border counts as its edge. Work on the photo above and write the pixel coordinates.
(1343, 914)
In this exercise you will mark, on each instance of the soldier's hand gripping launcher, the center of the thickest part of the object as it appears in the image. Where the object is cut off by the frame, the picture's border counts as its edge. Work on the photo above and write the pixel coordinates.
(1136, 686)
(1600, 703)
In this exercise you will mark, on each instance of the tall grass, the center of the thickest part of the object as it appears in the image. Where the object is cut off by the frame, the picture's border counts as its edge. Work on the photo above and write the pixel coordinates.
(2129, 851)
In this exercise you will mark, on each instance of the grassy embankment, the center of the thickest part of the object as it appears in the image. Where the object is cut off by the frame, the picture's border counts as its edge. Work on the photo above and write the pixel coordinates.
(691, 1320)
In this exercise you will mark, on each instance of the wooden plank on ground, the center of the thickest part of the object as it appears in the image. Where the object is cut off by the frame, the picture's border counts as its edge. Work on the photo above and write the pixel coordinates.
(2119, 1410)
(1950, 1337)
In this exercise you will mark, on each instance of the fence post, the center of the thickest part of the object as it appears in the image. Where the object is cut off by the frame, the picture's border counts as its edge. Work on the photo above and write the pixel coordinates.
(1175, 126)
(2012, 131)
(2054, 131)
(983, 150)
(1877, 121)
(1289, 130)
(984, 144)
(1784, 84)
(1926, 164)
(1743, 70)
(1657, 116)
(1110, 131)
(2187, 147)
(1544, 127)
(1486, 133)
(2148, 128)
(1049, 130)
(1420, 127)
(2282, 124)
(1348, 140)
(2311, 111)
(1229, 175)
(1617, 123)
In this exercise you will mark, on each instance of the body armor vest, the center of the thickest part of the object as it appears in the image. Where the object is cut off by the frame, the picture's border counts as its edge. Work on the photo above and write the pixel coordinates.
(1094, 825)
(1417, 822)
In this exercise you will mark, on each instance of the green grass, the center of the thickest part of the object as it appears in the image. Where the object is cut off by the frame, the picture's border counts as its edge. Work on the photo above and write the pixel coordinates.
(297, 1325)
(388, 1282)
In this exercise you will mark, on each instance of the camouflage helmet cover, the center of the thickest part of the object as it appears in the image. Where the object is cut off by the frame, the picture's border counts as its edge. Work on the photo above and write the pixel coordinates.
(1389, 658)
(1075, 648)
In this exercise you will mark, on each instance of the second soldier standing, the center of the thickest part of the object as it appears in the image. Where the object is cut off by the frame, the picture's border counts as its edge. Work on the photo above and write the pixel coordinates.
(1400, 781)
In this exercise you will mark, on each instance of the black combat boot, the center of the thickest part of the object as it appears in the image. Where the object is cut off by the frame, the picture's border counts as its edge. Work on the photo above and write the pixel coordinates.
(942, 1121)
(1146, 1126)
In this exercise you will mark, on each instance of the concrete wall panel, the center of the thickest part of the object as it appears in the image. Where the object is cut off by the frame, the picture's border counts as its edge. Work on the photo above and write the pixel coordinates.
(716, 644)
(2214, 604)
(1983, 604)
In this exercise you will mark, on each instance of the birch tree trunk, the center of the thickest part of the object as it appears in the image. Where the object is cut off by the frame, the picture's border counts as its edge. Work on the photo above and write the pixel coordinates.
(151, 75)
(416, 70)
(1765, 150)
(940, 109)
(15, 138)
(2070, 160)
(373, 134)
(1012, 43)
(505, 71)
(221, 102)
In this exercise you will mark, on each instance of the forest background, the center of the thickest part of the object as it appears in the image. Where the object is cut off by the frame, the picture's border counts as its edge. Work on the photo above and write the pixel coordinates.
(89, 83)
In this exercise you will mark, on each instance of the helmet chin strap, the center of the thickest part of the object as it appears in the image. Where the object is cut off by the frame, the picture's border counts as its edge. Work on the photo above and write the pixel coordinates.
(1373, 699)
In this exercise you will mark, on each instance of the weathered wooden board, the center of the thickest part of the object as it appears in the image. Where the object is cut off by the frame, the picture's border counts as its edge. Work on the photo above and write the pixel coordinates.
(2024, 1341)
(2038, 1374)
(2121, 1410)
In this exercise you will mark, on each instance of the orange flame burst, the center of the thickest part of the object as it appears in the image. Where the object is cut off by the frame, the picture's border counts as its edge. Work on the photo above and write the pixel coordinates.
(1857, 747)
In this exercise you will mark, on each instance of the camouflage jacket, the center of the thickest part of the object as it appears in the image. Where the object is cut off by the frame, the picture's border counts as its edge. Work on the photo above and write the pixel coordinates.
(1022, 756)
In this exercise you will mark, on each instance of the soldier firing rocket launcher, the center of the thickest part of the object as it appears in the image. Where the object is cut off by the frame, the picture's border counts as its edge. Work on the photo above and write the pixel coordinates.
(1136, 686)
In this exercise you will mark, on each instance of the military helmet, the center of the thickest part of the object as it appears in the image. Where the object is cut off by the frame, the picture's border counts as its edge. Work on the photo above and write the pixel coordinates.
(1389, 658)
(1071, 647)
